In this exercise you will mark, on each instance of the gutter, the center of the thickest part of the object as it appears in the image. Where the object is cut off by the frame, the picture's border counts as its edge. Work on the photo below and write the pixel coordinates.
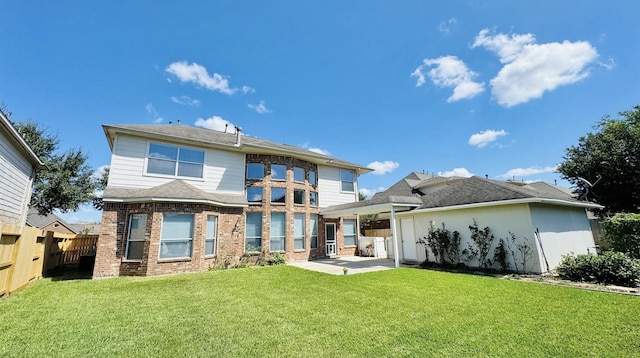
(511, 202)
(173, 200)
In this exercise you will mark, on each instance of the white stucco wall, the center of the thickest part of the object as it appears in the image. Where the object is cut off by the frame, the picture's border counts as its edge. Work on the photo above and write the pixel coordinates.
(563, 230)
(500, 219)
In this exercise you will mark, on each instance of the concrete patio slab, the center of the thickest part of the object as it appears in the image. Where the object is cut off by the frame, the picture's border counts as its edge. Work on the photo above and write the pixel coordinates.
(354, 264)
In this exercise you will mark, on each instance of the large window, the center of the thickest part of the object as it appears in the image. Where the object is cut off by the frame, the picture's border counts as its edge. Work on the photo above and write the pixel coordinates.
(298, 174)
(177, 236)
(349, 231)
(254, 194)
(135, 239)
(278, 195)
(313, 198)
(298, 231)
(278, 172)
(313, 222)
(255, 170)
(253, 232)
(347, 180)
(298, 196)
(312, 178)
(278, 231)
(175, 161)
(212, 233)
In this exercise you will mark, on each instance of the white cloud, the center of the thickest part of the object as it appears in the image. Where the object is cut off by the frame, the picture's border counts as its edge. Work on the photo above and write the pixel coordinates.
(186, 101)
(198, 75)
(152, 111)
(524, 172)
(456, 172)
(368, 193)
(319, 151)
(445, 26)
(260, 108)
(483, 138)
(532, 69)
(380, 168)
(609, 65)
(247, 89)
(216, 123)
(449, 71)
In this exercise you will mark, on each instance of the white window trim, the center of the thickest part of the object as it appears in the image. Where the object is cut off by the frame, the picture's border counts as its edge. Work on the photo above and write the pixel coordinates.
(283, 237)
(304, 229)
(146, 162)
(126, 251)
(354, 181)
(253, 237)
(215, 238)
(355, 233)
(179, 239)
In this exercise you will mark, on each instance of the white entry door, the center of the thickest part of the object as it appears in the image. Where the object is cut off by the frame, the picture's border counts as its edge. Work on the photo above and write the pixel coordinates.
(330, 239)
(409, 251)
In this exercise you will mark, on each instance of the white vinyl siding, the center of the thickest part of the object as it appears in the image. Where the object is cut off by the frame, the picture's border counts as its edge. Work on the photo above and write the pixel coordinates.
(15, 182)
(329, 191)
(223, 171)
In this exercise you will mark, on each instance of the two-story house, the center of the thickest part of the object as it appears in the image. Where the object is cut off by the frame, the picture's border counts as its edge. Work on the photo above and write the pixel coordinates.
(18, 164)
(182, 198)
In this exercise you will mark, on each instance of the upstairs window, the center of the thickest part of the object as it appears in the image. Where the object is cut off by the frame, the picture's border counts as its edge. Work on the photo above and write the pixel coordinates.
(175, 161)
(278, 172)
(254, 194)
(278, 195)
(298, 175)
(347, 181)
(298, 196)
(312, 178)
(255, 170)
(313, 198)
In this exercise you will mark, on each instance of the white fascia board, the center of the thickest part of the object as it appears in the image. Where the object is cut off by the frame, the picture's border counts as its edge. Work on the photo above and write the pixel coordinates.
(509, 202)
(368, 210)
(190, 201)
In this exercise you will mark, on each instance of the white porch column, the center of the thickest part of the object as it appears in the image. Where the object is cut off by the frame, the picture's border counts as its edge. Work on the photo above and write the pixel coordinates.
(396, 252)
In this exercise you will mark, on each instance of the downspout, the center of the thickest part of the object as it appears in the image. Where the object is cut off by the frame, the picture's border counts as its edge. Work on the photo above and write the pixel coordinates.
(396, 253)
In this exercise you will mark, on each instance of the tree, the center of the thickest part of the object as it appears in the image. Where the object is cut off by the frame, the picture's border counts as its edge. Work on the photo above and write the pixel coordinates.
(605, 165)
(66, 181)
(101, 183)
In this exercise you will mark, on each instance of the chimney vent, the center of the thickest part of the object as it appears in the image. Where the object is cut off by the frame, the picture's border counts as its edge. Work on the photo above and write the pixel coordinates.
(238, 136)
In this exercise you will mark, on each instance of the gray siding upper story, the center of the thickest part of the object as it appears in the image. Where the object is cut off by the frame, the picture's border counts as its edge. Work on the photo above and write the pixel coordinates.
(329, 188)
(17, 164)
(223, 170)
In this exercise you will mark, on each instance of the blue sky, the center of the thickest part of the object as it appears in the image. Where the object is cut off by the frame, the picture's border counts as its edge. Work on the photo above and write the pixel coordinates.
(497, 88)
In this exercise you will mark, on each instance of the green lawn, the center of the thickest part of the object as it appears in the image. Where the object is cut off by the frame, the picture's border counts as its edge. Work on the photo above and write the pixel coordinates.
(289, 312)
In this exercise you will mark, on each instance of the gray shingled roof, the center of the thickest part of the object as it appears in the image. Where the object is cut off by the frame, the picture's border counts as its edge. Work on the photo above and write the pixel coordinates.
(479, 190)
(217, 139)
(34, 219)
(174, 190)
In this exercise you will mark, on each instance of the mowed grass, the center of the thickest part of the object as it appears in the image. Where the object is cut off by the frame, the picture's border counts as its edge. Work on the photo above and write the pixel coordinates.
(289, 312)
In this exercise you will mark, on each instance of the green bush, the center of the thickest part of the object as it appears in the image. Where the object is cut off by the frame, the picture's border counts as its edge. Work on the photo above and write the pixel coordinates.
(614, 268)
(622, 233)
(276, 259)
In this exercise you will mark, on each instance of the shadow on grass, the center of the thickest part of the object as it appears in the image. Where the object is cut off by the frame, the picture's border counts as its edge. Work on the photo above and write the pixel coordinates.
(70, 272)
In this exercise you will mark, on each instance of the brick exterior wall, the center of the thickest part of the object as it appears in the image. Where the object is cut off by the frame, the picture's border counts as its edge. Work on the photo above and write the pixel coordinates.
(110, 255)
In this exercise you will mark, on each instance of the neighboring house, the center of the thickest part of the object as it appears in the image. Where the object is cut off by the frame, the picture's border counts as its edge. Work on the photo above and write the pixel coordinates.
(181, 198)
(49, 222)
(18, 164)
(546, 218)
(86, 228)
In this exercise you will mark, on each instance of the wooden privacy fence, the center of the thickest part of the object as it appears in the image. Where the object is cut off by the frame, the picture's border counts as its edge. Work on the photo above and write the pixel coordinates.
(27, 253)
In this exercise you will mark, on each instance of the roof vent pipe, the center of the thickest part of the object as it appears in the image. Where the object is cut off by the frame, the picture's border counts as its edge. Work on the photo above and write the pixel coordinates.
(238, 135)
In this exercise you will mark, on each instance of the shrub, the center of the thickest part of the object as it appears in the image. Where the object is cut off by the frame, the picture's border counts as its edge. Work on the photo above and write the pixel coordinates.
(276, 259)
(622, 233)
(444, 244)
(614, 268)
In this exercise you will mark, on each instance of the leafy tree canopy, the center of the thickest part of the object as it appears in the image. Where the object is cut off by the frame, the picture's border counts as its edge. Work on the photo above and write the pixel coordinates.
(66, 181)
(605, 165)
